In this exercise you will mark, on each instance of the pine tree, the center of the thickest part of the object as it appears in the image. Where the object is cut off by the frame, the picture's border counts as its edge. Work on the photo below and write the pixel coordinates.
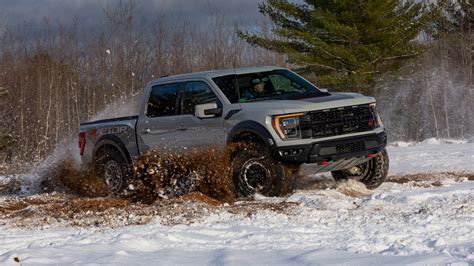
(346, 43)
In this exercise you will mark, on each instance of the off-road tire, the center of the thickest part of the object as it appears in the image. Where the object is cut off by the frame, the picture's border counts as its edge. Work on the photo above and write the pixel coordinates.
(372, 173)
(113, 169)
(254, 170)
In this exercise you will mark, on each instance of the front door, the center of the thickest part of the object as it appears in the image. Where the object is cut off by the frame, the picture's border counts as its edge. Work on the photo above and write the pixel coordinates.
(195, 131)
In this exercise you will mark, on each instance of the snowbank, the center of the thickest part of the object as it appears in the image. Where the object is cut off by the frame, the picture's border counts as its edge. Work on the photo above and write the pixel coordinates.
(397, 224)
(431, 156)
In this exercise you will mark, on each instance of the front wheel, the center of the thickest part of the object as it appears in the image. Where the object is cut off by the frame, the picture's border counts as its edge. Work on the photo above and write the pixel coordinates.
(371, 173)
(254, 170)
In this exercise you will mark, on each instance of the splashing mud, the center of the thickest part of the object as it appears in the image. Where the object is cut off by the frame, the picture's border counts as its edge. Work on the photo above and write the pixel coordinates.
(65, 176)
(170, 174)
(157, 174)
(183, 186)
(162, 174)
(188, 187)
(174, 187)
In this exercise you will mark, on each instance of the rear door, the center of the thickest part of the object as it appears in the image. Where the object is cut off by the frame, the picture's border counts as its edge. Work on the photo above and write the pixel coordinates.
(197, 131)
(157, 126)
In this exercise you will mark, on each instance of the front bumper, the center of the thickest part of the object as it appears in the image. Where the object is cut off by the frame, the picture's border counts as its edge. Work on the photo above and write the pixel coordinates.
(332, 151)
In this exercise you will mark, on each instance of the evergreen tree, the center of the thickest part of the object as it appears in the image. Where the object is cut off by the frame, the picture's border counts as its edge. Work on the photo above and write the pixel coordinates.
(346, 43)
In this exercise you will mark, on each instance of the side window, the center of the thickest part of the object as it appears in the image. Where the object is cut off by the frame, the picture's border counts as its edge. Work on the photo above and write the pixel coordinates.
(162, 100)
(228, 87)
(196, 92)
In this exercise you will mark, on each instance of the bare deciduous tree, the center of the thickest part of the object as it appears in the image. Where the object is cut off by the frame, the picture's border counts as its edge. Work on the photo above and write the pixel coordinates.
(63, 75)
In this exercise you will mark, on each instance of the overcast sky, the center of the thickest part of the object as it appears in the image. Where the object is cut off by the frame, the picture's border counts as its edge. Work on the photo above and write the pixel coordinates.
(15, 12)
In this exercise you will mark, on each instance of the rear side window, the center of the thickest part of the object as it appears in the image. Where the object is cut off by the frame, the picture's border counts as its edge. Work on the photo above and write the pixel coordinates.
(162, 100)
(196, 92)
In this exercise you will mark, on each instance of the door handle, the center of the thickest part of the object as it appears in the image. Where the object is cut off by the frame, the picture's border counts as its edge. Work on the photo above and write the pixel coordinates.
(182, 127)
(146, 131)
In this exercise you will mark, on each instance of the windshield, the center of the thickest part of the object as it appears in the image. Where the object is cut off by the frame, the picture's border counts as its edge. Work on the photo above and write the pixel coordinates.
(278, 84)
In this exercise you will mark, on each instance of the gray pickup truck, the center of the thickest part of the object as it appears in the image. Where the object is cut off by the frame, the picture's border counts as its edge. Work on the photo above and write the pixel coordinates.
(292, 127)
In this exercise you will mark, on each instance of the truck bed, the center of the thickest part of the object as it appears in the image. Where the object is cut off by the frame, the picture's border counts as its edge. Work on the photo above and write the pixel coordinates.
(134, 117)
(116, 131)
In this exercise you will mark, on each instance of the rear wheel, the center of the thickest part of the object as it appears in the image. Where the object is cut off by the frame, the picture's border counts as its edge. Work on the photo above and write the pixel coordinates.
(371, 173)
(113, 169)
(254, 170)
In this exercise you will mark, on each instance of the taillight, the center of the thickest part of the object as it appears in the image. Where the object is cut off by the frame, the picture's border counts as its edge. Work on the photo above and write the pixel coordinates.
(82, 142)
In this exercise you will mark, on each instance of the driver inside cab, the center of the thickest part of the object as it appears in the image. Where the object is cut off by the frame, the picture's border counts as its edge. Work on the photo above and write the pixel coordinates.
(257, 89)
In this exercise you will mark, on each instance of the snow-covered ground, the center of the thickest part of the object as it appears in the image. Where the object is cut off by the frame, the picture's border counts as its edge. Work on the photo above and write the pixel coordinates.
(431, 156)
(416, 222)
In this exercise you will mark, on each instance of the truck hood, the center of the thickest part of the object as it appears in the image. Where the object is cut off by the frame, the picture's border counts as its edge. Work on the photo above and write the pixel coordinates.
(333, 100)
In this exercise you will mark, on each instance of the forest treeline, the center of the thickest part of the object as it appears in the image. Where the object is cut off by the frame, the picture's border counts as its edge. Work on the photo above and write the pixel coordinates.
(433, 94)
(57, 76)
(60, 76)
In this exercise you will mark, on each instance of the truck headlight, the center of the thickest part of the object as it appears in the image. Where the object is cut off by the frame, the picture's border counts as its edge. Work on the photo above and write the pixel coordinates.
(377, 119)
(287, 126)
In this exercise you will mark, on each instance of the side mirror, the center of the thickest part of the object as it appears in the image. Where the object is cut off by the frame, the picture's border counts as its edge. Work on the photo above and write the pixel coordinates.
(207, 110)
(324, 90)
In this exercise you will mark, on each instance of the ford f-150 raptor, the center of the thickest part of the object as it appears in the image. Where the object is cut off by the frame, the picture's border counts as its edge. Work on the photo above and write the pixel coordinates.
(292, 127)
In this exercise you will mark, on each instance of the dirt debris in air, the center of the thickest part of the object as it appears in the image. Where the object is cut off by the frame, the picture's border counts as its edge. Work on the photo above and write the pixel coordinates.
(68, 177)
(176, 188)
(156, 175)
(67, 209)
(171, 174)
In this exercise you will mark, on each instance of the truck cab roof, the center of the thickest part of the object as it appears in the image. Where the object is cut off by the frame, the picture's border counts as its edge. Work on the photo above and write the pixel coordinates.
(216, 73)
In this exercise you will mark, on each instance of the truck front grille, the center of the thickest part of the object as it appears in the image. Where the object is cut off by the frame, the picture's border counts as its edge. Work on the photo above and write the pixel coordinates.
(337, 121)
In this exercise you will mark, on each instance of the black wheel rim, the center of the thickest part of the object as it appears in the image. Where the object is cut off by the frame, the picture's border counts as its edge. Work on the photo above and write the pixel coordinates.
(255, 175)
(113, 176)
(360, 171)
